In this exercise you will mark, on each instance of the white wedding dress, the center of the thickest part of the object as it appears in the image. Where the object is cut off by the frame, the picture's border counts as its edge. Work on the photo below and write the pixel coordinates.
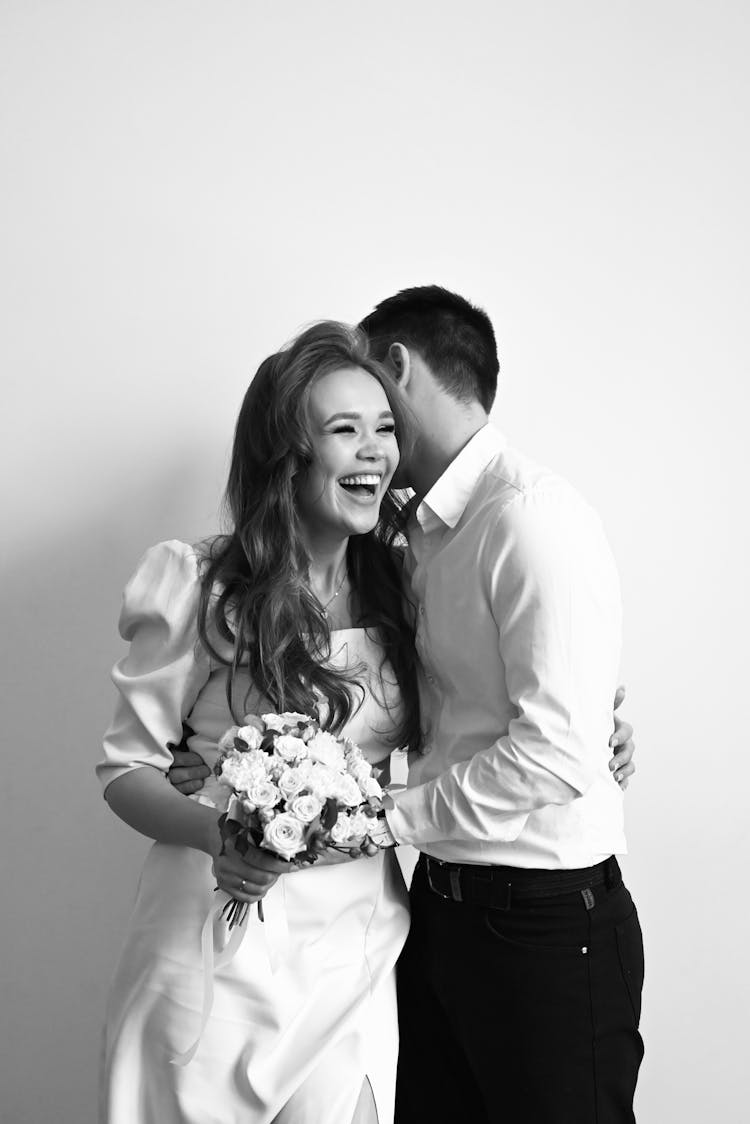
(294, 1029)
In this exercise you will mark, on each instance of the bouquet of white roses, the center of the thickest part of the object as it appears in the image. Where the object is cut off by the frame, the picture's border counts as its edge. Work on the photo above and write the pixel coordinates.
(295, 790)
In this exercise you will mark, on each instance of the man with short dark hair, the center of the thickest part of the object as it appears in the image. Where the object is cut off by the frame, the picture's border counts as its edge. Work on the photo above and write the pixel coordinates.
(455, 339)
(520, 984)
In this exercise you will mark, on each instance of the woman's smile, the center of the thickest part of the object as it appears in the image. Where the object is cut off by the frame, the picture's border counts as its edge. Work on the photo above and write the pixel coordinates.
(362, 486)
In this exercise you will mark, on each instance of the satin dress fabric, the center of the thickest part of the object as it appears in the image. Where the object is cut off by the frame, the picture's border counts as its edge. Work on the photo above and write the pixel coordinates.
(292, 1038)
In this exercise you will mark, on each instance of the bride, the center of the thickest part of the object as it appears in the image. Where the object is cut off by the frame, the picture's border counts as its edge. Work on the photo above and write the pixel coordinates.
(299, 605)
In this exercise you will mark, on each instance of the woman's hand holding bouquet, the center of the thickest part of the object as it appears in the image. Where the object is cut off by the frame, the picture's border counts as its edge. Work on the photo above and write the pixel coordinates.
(295, 792)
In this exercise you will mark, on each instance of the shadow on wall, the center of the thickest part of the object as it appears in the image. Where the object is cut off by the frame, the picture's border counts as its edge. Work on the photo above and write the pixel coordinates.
(67, 892)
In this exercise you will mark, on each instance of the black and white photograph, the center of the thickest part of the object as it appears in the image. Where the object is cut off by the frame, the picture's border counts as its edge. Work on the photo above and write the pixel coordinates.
(375, 606)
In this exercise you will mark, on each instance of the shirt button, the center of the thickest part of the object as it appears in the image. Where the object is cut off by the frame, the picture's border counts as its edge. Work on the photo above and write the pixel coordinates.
(430, 678)
(421, 610)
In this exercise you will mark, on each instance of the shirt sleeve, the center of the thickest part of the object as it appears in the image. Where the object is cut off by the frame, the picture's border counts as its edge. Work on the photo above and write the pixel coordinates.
(554, 595)
(165, 668)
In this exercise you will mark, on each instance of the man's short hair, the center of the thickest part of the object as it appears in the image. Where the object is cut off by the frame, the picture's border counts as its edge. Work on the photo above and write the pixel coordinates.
(453, 336)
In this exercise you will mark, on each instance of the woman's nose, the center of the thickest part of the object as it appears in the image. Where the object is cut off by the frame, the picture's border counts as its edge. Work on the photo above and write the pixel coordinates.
(371, 448)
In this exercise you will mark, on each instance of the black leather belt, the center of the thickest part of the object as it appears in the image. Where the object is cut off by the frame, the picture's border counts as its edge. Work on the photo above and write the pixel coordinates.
(496, 887)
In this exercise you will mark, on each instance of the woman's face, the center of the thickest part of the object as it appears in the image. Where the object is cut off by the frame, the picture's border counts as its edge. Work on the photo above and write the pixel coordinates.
(353, 438)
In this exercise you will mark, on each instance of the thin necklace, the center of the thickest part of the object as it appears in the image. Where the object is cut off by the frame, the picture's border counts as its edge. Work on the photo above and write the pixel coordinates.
(331, 600)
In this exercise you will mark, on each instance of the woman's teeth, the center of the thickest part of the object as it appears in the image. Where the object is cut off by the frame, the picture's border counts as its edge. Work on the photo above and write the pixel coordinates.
(363, 482)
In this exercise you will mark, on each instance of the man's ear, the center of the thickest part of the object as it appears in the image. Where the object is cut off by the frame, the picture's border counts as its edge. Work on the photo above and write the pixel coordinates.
(399, 362)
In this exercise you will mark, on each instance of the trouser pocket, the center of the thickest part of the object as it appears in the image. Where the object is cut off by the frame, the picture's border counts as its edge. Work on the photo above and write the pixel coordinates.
(630, 952)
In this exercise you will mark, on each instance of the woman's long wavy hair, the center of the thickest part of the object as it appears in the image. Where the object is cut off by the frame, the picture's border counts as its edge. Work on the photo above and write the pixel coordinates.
(255, 582)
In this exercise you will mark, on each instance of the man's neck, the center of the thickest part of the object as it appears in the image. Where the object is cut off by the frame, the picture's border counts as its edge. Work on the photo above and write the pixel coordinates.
(440, 441)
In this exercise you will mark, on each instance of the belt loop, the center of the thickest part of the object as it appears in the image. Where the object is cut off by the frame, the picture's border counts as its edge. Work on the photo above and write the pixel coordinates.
(455, 881)
(610, 872)
(428, 870)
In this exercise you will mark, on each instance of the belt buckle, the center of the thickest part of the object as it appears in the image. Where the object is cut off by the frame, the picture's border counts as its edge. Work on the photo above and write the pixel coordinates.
(455, 881)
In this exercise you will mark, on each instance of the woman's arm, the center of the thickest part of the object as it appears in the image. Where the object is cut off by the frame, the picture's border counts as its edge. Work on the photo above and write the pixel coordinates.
(145, 800)
(159, 681)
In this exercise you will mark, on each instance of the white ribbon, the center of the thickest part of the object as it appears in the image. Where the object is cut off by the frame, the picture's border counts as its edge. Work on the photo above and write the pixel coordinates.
(276, 925)
(210, 963)
(276, 934)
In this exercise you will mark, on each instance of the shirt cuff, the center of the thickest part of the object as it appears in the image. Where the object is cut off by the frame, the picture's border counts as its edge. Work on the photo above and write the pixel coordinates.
(408, 817)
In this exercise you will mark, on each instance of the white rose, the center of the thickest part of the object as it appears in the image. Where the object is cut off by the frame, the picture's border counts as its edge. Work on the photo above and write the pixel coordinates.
(289, 720)
(254, 720)
(285, 835)
(290, 782)
(226, 742)
(251, 735)
(293, 718)
(347, 791)
(289, 748)
(370, 787)
(326, 749)
(305, 808)
(341, 832)
(273, 722)
(264, 794)
(360, 770)
(360, 824)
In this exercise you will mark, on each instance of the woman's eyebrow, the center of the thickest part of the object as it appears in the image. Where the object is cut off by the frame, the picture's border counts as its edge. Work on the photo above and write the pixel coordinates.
(352, 415)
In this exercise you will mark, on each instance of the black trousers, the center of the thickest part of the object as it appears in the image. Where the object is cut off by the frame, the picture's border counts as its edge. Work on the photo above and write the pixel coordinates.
(523, 1011)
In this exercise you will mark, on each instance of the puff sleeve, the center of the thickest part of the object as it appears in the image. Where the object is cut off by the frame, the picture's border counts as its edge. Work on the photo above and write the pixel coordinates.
(163, 672)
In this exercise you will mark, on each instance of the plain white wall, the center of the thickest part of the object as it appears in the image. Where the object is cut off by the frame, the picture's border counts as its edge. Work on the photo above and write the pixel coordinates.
(186, 184)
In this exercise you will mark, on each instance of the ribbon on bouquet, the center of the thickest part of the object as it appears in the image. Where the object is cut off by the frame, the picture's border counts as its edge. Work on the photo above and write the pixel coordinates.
(275, 932)
(275, 924)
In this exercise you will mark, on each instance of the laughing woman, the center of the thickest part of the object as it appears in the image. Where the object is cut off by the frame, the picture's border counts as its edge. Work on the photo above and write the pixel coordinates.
(299, 604)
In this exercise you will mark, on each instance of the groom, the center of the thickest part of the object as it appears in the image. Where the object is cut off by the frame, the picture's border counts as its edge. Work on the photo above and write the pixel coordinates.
(520, 983)
(519, 986)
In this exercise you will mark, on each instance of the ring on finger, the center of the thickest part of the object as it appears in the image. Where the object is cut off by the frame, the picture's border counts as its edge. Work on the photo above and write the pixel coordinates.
(243, 884)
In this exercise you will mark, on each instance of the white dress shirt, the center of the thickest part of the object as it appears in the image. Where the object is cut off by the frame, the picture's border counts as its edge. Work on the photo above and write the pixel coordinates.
(518, 634)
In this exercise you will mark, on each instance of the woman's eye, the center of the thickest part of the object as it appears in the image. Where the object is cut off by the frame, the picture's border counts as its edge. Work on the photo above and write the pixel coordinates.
(388, 428)
(343, 429)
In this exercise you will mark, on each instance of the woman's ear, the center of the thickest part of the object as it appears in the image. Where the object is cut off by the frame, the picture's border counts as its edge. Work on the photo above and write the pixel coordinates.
(399, 362)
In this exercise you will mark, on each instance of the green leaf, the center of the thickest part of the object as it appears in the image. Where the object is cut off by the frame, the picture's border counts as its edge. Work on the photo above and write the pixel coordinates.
(241, 745)
(229, 829)
(330, 814)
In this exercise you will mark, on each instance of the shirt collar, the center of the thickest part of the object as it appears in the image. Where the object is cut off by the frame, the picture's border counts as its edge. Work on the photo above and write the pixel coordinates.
(447, 498)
